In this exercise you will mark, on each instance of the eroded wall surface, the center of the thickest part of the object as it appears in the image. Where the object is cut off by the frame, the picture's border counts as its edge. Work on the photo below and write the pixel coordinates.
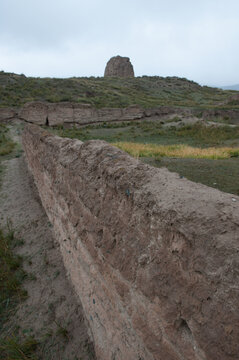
(62, 113)
(153, 257)
(52, 114)
(68, 114)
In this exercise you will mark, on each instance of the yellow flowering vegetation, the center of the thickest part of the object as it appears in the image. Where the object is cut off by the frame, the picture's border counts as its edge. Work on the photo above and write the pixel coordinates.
(177, 151)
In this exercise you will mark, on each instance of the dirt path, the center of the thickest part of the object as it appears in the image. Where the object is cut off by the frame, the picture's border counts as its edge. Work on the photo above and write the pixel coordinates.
(51, 313)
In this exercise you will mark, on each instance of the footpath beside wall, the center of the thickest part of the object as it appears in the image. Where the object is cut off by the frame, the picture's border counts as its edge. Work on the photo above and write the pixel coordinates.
(154, 258)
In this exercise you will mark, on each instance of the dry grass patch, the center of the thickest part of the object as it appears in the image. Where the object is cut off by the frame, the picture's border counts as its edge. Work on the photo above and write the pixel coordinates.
(177, 151)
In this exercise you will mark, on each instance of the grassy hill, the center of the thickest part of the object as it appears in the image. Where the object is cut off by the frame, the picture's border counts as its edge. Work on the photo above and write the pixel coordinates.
(147, 91)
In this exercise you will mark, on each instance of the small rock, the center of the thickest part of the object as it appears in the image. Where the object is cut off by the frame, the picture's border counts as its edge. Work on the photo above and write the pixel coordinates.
(143, 259)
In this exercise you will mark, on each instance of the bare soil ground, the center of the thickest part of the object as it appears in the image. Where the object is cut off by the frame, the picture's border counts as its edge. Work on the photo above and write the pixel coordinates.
(52, 313)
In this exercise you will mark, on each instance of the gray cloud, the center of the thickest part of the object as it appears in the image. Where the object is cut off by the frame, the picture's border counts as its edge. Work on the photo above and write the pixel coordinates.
(197, 40)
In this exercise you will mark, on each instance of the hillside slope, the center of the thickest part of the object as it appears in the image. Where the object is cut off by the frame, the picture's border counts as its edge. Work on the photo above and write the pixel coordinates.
(15, 90)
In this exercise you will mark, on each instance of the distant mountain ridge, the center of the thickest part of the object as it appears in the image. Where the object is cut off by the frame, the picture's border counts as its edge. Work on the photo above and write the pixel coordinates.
(231, 87)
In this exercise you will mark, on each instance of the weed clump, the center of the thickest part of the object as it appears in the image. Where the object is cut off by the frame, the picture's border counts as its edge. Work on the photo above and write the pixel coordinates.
(12, 348)
(11, 275)
(6, 145)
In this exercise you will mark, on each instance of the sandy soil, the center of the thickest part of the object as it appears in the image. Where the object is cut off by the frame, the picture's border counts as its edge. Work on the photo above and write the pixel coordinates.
(52, 312)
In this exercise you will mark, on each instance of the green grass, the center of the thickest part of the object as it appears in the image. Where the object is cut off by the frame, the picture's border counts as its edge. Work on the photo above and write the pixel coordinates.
(146, 91)
(209, 135)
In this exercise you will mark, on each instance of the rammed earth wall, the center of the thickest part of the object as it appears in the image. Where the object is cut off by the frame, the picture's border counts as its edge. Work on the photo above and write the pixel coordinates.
(68, 114)
(153, 257)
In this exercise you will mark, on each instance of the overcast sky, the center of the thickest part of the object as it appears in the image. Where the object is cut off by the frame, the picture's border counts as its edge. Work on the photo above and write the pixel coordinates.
(196, 39)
